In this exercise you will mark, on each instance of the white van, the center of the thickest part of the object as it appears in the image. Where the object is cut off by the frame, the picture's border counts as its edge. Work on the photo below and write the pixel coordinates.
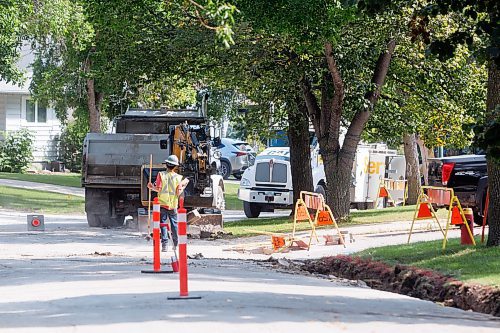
(267, 185)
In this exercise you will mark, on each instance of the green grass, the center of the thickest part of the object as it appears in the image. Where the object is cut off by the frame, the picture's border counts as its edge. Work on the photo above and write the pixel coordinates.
(285, 224)
(231, 196)
(478, 264)
(389, 214)
(64, 179)
(40, 201)
(278, 225)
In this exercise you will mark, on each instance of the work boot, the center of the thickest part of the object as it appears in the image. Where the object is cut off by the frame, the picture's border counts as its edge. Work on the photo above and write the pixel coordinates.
(163, 247)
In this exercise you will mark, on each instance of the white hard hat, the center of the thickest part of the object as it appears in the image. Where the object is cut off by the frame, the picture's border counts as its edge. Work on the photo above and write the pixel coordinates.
(172, 160)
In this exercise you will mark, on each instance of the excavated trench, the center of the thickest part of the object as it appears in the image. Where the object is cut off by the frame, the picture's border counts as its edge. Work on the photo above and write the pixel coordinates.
(412, 281)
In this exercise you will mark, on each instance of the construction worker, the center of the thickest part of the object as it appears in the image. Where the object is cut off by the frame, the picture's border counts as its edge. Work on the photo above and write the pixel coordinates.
(169, 186)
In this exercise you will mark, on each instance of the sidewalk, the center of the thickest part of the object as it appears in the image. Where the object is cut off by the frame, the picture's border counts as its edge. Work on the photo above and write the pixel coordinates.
(43, 187)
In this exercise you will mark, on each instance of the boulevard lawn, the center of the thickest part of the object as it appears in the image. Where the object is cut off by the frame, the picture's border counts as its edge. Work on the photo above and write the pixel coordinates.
(63, 179)
(245, 228)
(478, 264)
(40, 201)
(74, 180)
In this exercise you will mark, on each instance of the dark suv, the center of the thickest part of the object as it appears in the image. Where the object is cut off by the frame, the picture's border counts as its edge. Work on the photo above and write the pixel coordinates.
(467, 175)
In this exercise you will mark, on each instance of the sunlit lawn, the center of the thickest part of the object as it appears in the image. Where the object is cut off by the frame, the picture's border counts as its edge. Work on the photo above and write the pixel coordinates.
(248, 227)
(231, 196)
(40, 201)
(64, 179)
(478, 264)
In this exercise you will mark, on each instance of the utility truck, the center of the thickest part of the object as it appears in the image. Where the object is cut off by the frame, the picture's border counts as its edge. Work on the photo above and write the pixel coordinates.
(116, 166)
(267, 185)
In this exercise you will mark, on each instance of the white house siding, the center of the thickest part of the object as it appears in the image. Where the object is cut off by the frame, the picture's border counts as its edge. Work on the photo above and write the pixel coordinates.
(46, 134)
(2, 113)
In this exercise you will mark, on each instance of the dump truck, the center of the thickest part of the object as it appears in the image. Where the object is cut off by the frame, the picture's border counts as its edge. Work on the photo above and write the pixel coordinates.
(116, 166)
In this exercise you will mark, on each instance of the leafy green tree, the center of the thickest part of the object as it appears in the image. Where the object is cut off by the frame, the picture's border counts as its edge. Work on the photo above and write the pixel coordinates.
(479, 31)
(343, 69)
(437, 101)
(97, 55)
(13, 16)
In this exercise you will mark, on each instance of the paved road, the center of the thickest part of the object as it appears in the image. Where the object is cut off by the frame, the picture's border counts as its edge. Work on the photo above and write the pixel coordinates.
(75, 279)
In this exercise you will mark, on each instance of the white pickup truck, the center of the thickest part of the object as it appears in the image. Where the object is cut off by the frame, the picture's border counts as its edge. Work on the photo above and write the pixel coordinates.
(267, 185)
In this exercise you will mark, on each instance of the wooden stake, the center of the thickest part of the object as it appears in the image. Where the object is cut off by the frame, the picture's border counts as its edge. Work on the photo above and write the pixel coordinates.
(149, 193)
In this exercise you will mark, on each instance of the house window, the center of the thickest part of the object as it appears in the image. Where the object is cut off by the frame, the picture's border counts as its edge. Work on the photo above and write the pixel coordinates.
(30, 111)
(35, 112)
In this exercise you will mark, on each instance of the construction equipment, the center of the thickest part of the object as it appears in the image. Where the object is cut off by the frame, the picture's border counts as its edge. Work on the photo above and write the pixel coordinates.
(116, 167)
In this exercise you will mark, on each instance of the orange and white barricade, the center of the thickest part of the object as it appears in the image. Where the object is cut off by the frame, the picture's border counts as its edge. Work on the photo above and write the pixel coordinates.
(156, 241)
(311, 208)
(394, 190)
(183, 264)
(439, 196)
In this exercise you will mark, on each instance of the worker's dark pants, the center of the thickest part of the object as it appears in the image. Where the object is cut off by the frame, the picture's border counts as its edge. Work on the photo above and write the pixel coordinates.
(169, 214)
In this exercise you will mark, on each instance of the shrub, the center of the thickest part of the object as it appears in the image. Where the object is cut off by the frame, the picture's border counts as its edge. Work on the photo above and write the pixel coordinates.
(70, 145)
(16, 150)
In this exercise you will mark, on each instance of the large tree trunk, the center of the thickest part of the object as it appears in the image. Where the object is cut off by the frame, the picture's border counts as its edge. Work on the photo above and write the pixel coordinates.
(338, 173)
(300, 152)
(94, 101)
(412, 169)
(424, 152)
(493, 102)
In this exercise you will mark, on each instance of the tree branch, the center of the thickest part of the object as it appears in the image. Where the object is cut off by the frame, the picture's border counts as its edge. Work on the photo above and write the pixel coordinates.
(312, 104)
(338, 97)
(359, 120)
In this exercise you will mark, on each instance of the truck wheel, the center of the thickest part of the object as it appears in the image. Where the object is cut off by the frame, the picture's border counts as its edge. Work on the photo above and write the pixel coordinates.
(225, 169)
(251, 210)
(93, 220)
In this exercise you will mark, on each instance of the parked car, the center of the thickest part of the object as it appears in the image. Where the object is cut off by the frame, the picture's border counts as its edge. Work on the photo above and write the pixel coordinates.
(467, 175)
(236, 157)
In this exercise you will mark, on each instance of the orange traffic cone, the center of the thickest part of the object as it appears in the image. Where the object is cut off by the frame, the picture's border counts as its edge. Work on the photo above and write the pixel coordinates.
(456, 217)
(424, 211)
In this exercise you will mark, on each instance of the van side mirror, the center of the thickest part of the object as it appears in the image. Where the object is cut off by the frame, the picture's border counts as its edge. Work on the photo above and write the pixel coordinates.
(163, 144)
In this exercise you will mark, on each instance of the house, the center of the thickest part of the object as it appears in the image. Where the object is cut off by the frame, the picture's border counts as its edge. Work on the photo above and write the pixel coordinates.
(18, 110)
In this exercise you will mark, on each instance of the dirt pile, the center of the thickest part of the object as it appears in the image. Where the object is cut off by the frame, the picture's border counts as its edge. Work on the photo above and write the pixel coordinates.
(411, 281)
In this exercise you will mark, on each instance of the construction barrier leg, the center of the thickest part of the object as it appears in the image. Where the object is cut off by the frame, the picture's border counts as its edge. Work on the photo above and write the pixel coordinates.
(342, 240)
(437, 220)
(414, 218)
(445, 238)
